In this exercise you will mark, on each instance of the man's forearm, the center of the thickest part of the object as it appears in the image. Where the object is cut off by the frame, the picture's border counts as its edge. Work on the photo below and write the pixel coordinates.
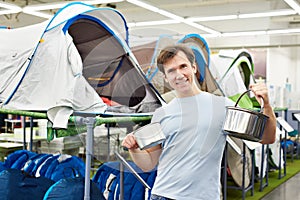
(145, 159)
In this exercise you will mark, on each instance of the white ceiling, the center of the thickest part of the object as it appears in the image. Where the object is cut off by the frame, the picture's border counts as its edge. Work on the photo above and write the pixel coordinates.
(187, 10)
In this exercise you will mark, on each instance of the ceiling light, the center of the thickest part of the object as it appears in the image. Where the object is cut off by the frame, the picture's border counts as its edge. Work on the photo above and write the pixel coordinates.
(268, 14)
(172, 16)
(152, 23)
(48, 6)
(283, 31)
(212, 18)
(37, 13)
(144, 5)
(293, 4)
(9, 8)
(246, 33)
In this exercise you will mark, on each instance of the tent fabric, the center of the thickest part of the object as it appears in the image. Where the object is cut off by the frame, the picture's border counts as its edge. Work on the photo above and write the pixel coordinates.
(233, 71)
(202, 55)
(70, 62)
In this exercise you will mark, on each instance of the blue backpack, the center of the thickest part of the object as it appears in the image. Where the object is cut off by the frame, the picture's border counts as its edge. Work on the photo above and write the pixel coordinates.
(34, 162)
(72, 188)
(63, 167)
(17, 159)
(107, 179)
(17, 184)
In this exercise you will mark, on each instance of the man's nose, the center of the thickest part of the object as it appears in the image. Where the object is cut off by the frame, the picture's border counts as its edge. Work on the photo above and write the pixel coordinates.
(179, 74)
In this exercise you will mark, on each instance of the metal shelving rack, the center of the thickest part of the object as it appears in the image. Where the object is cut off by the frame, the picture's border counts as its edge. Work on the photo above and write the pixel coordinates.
(88, 122)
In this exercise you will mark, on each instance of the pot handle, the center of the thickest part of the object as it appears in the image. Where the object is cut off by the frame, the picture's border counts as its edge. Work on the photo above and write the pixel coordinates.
(262, 102)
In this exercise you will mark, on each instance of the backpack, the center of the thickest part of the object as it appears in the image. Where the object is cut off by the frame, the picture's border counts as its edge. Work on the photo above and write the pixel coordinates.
(72, 188)
(17, 184)
(107, 179)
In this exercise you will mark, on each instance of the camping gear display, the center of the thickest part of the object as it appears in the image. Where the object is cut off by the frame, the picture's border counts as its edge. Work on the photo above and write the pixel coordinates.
(108, 177)
(68, 63)
(235, 162)
(147, 55)
(244, 123)
(149, 135)
(234, 72)
(72, 188)
(16, 184)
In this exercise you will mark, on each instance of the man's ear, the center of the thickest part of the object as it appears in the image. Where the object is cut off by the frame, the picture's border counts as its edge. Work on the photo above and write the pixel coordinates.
(165, 77)
(194, 68)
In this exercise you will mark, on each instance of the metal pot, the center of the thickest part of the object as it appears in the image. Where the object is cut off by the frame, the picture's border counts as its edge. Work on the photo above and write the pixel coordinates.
(149, 135)
(243, 123)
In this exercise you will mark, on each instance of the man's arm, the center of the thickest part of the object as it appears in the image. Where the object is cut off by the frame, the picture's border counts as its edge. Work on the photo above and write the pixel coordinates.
(144, 159)
(260, 90)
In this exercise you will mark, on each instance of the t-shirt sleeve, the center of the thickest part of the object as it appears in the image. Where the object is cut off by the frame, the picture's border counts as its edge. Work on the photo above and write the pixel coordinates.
(157, 115)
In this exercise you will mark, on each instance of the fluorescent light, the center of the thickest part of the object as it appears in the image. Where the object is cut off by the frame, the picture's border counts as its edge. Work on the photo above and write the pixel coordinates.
(283, 31)
(48, 6)
(37, 13)
(250, 15)
(45, 6)
(268, 14)
(245, 33)
(293, 4)
(172, 16)
(9, 6)
(5, 12)
(201, 27)
(144, 5)
(253, 33)
(153, 23)
(212, 18)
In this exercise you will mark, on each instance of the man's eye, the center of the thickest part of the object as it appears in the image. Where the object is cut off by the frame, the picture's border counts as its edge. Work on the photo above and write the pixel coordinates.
(183, 66)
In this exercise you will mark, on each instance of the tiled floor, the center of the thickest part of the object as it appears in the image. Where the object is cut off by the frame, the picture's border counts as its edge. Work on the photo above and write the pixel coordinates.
(287, 191)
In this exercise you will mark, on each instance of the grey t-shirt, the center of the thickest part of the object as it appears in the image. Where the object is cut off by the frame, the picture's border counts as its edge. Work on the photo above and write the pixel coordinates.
(189, 166)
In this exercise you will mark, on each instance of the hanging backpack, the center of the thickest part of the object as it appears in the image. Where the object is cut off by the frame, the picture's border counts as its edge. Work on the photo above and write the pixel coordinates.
(72, 188)
(62, 167)
(17, 159)
(17, 184)
(107, 179)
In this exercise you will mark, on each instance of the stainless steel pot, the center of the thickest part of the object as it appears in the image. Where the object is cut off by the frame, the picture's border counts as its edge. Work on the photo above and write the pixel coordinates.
(243, 123)
(149, 135)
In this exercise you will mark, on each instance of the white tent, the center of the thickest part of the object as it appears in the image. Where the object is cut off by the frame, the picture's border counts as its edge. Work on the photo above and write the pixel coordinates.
(67, 63)
(233, 71)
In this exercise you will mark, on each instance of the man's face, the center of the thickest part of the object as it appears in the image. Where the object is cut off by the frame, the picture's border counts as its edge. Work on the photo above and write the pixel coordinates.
(179, 73)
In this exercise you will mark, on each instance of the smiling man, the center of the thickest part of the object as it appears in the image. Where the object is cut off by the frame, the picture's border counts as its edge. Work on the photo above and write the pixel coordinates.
(189, 160)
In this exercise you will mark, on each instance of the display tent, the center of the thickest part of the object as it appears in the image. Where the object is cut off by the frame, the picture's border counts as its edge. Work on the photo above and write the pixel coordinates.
(75, 61)
(234, 72)
(202, 56)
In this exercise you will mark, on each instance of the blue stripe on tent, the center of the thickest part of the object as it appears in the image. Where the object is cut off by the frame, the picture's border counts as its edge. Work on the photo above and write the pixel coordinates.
(71, 21)
(200, 62)
(92, 9)
(202, 39)
(60, 10)
(114, 74)
(154, 58)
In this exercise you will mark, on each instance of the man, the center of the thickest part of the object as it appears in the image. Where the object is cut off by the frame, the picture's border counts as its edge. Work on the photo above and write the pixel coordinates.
(189, 160)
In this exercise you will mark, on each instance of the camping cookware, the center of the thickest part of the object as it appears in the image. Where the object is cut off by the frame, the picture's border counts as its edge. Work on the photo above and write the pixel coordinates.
(243, 123)
(149, 135)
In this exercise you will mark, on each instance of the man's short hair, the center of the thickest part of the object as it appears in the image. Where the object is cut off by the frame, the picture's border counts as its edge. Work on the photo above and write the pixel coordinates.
(170, 51)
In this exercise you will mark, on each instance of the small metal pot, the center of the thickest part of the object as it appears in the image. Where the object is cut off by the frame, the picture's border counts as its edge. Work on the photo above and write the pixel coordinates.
(149, 135)
(245, 124)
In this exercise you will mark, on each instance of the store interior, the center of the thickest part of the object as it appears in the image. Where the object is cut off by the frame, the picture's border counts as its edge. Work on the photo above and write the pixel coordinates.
(239, 42)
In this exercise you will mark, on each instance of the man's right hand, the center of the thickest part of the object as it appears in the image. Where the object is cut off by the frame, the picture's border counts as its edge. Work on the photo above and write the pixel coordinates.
(129, 142)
